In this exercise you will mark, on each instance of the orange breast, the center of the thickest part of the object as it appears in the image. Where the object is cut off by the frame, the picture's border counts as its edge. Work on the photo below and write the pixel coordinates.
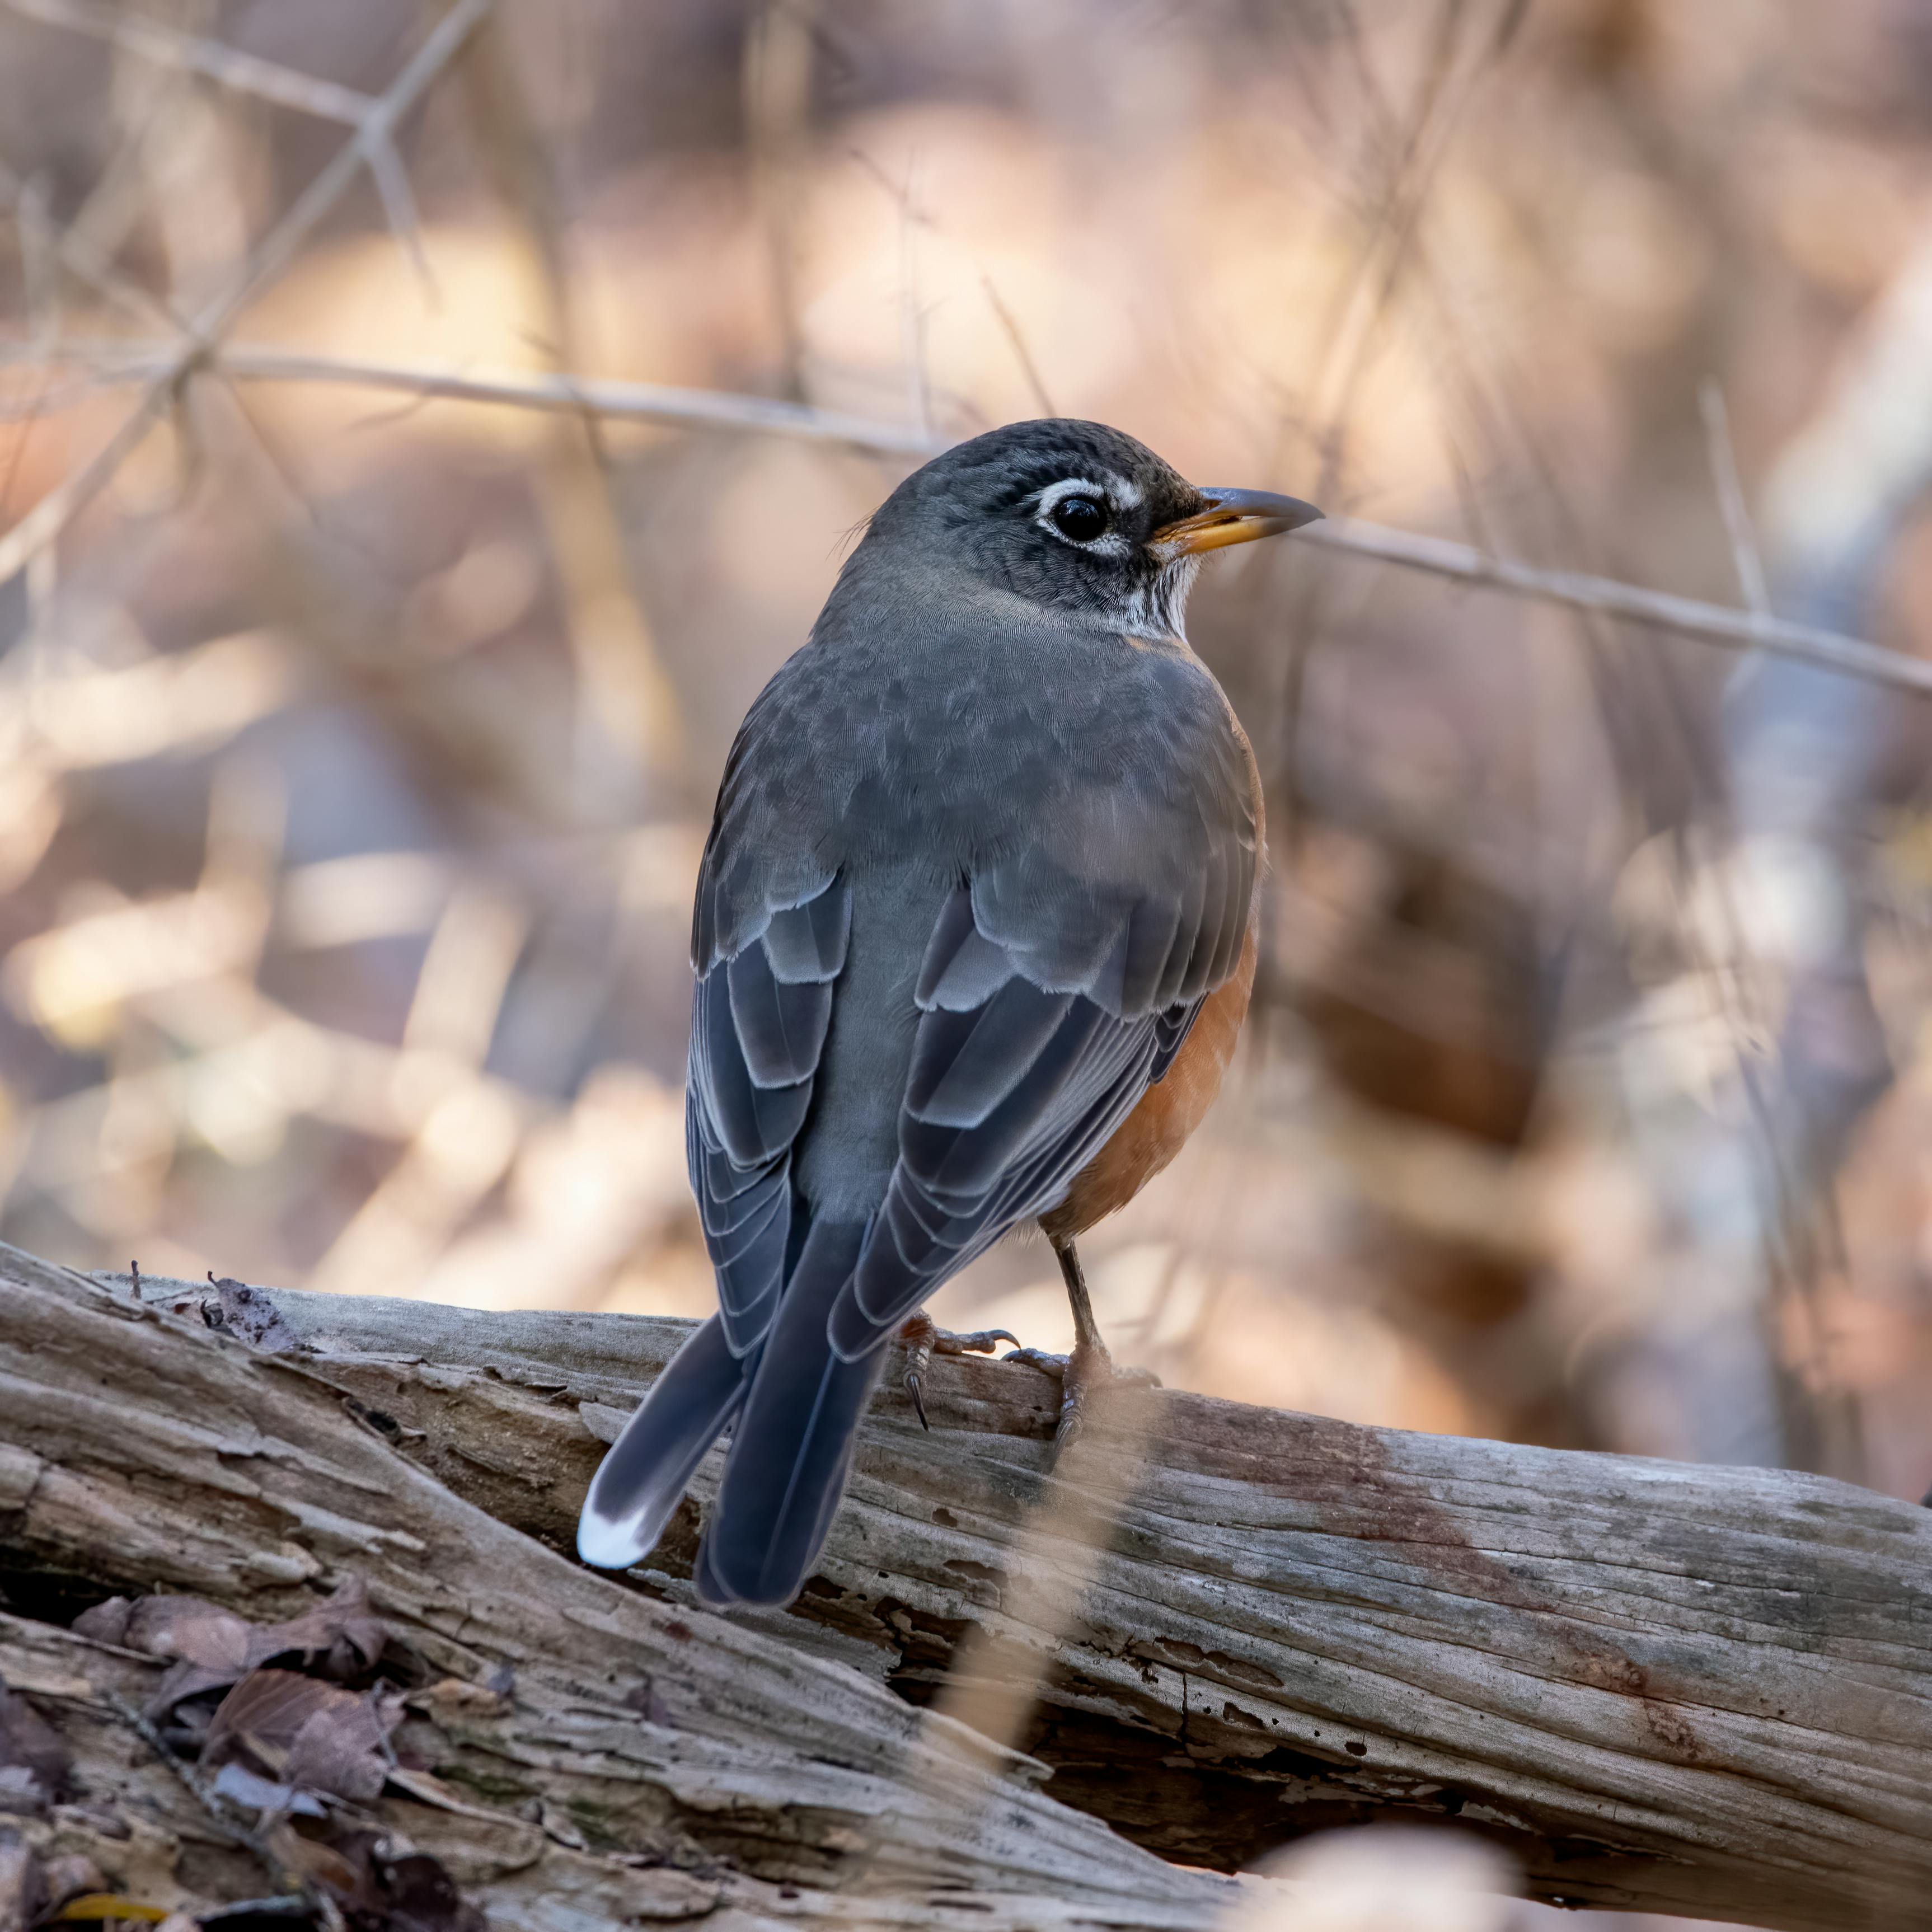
(1155, 1132)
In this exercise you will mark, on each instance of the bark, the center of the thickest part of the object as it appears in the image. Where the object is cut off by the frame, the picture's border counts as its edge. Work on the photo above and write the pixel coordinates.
(1673, 1688)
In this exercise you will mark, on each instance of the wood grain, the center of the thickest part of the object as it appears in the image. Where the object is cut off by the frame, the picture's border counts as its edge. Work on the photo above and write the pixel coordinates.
(1666, 1687)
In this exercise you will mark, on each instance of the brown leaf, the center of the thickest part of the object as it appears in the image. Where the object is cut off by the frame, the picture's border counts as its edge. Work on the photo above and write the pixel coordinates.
(208, 1644)
(247, 1312)
(263, 1715)
(106, 1623)
(34, 1766)
(304, 1733)
(343, 1638)
(377, 1892)
(190, 1629)
(341, 1750)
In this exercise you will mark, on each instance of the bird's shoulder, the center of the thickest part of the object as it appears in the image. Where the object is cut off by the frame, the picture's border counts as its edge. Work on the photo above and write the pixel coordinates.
(1070, 771)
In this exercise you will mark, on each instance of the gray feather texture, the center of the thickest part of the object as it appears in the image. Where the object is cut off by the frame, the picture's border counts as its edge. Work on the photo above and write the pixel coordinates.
(980, 850)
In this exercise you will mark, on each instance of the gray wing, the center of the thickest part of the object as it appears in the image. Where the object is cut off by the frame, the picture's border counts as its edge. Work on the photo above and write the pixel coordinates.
(1103, 835)
(1014, 1088)
(759, 1020)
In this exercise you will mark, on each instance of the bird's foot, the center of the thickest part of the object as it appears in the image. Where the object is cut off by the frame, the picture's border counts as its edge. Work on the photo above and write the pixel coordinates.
(1088, 1368)
(923, 1340)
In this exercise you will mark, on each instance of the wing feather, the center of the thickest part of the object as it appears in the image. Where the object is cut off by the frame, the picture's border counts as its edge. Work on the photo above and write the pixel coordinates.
(759, 1021)
(1005, 1103)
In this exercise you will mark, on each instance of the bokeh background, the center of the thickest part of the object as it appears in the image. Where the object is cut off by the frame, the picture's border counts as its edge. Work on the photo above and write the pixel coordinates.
(357, 742)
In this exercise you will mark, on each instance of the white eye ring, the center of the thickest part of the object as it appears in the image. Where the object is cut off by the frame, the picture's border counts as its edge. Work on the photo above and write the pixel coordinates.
(1109, 542)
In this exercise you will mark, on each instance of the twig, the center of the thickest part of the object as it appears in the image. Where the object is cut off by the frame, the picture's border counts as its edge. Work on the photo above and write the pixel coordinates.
(1685, 617)
(564, 395)
(628, 730)
(1020, 349)
(167, 47)
(44, 524)
(87, 261)
(644, 402)
(279, 1872)
(1745, 557)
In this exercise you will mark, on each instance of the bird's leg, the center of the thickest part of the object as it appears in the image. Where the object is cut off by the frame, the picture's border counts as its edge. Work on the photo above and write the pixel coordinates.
(1090, 1366)
(923, 1340)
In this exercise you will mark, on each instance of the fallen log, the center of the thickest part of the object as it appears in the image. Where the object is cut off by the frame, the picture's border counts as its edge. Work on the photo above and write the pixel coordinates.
(704, 1768)
(1665, 1687)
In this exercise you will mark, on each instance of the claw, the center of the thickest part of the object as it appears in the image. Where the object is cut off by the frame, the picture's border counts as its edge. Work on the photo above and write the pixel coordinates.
(1080, 1373)
(1037, 1358)
(923, 1341)
(981, 1342)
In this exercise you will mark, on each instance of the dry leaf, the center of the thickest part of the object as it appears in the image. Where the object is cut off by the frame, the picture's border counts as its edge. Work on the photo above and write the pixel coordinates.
(342, 1749)
(209, 1644)
(189, 1628)
(378, 1891)
(213, 1649)
(343, 1638)
(106, 1623)
(250, 1315)
(302, 1732)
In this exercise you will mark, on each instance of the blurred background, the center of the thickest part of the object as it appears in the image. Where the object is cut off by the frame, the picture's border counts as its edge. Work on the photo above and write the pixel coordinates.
(358, 737)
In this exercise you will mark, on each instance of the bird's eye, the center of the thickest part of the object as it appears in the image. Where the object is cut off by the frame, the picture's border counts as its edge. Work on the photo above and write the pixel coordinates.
(1080, 519)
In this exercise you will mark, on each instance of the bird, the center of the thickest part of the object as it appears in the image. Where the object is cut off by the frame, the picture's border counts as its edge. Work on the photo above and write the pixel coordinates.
(974, 934)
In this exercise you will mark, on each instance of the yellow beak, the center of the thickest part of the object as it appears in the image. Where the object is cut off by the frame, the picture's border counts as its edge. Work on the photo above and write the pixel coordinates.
(1232, 517)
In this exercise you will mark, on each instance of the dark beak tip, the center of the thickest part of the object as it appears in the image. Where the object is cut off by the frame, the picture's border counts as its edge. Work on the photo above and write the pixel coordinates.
(1286, 513)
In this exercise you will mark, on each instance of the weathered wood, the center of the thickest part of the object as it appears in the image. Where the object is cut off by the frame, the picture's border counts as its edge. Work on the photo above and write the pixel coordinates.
(140, 1449)
(138, 1821)
(1690, 1689)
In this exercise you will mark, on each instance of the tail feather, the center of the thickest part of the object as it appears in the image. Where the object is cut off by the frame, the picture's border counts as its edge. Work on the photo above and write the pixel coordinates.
(640, 1481)
(792, 1449)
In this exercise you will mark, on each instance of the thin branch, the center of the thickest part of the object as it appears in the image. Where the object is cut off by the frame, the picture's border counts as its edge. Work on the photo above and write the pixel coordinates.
(1658, 610)
(86, 260)
(1685, 617)
(399, 208)
(293, 1883)
(44, 524)
(564, 395)
(1027, 366)
(167, 47)
(245, 74)
(1744, 557)
(645, 402)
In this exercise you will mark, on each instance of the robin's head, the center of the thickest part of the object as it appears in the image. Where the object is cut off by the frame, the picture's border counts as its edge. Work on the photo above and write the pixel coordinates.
(1076, 517)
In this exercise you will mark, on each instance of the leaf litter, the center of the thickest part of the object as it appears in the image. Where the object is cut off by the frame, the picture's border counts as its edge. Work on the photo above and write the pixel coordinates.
(289, 1724)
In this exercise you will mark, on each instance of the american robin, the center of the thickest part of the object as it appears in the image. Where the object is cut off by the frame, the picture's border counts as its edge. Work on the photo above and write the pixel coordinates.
(974, 935)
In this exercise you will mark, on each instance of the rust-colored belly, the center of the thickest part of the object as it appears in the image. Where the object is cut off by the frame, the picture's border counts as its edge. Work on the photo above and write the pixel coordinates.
(1154, 1132)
